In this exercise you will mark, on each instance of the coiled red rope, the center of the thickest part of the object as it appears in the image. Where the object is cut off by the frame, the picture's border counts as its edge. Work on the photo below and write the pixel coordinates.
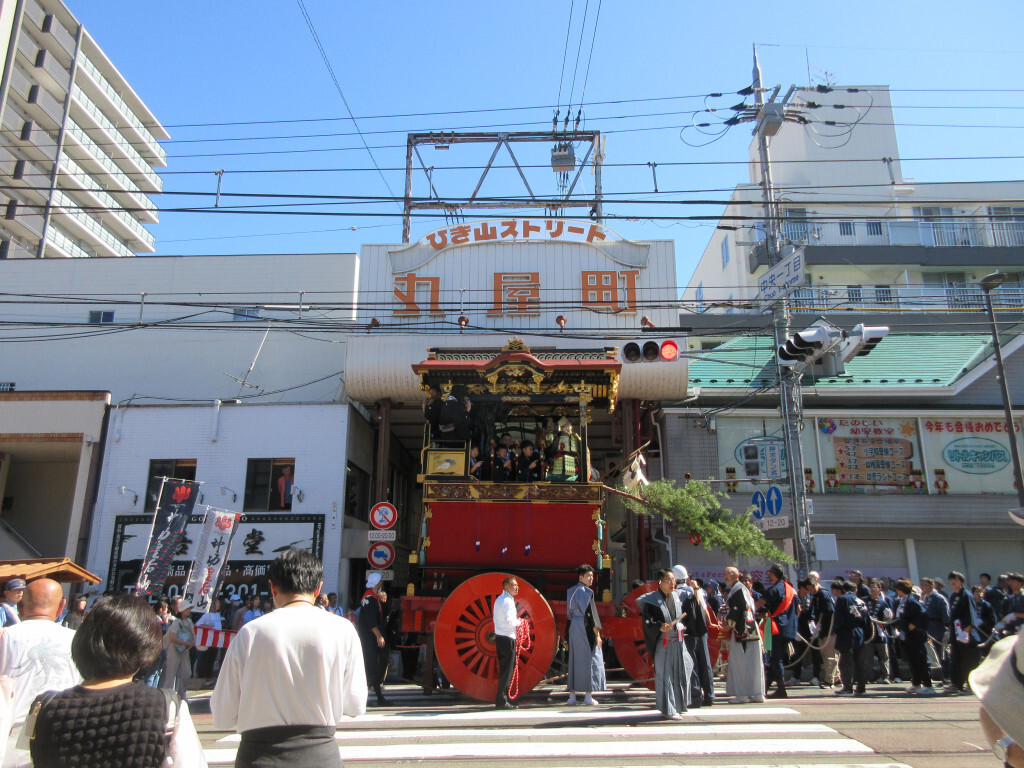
(523, 643)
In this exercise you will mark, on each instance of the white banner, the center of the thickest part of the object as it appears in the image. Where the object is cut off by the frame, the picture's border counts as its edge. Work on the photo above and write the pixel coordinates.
(211, 553)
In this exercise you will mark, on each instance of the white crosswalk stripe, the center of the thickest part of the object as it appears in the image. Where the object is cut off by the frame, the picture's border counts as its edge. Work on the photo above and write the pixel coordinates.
(575, 734)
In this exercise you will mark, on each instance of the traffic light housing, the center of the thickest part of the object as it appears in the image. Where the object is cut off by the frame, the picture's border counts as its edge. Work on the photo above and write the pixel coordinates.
(650, 351)
(861, 340)
(808, 345)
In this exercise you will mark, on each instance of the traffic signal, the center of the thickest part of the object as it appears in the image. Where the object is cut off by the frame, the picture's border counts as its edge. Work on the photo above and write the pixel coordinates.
(861, 340)
(808, 345)
(650, 351)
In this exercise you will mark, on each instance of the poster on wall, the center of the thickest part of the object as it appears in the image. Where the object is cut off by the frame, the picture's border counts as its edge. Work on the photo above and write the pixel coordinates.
(969, 455)
(870, 455)
(751, 447)
(259, 539)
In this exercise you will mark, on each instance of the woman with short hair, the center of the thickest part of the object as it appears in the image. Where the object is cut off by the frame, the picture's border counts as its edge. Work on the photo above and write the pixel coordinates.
(110, 719)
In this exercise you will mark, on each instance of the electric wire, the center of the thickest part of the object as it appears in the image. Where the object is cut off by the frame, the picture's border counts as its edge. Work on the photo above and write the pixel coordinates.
(337, 85)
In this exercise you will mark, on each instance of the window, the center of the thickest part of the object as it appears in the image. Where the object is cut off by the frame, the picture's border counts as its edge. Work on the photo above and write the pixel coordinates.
(854, 294)
(268, 484)
(874, 228)
(101, 316)
(1007, 225)
(883, 294)
(725, 252)
(939, 221)
(179, 469)
(699, 295)
(846, 228)
(794, 228)
(357, 493)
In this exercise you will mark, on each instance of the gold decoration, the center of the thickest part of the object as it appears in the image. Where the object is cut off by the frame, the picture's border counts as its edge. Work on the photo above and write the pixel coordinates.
(515, 344)
(426, 542)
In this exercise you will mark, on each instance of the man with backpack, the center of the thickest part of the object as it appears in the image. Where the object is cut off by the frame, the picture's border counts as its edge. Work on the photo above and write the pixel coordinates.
(852, 628)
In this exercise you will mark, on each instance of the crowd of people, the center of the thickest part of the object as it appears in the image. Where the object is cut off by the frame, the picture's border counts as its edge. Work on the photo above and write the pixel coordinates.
(296, 667)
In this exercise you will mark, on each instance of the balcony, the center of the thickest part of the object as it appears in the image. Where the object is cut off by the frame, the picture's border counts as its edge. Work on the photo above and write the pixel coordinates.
(90, 229)
(904, 299)
(88, 154)
(74, 176)
(119, 144)
(64, 244)
(956, 233)
(141, 132)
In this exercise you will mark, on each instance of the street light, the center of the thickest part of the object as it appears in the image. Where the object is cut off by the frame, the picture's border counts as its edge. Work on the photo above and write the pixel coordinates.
(988, 283)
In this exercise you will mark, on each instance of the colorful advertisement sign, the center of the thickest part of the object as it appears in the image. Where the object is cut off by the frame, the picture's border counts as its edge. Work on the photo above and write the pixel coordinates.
(870, 455)
(969, 455)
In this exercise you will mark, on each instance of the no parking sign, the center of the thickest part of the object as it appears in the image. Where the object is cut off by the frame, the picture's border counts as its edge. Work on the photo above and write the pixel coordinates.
(383, 515)
(381, 554)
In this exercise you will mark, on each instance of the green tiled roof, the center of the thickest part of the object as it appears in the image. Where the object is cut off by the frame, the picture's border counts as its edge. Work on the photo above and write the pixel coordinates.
(899, 360)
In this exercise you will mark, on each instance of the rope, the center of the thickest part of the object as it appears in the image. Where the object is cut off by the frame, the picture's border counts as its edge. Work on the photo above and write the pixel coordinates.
(523, 644)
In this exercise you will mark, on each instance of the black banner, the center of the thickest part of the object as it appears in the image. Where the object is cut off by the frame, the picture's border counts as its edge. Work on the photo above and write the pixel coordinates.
(174, 508)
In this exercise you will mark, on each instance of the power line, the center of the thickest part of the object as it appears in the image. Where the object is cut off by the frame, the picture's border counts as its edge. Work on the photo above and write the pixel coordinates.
(337, 85)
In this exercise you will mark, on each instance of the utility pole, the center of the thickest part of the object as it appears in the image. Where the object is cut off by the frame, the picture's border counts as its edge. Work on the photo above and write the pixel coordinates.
(768, 117)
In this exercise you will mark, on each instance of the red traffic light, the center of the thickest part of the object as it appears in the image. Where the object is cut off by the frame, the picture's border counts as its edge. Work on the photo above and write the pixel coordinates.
(650, 351)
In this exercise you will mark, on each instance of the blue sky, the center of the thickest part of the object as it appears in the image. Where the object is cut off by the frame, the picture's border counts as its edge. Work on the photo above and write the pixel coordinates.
(201, 63)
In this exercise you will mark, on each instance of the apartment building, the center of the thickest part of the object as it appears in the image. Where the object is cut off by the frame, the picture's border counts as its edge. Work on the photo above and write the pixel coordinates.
(78, 149)
(871, 238)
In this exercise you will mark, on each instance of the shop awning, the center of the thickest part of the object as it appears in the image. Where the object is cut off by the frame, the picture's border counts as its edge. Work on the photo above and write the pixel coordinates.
(57, 568)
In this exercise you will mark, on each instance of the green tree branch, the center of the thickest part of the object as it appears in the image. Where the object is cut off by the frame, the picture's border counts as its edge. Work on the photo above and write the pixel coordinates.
(696, 509)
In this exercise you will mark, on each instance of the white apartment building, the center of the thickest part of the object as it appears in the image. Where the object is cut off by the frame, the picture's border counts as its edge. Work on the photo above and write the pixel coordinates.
(872, 239)
(78, 148)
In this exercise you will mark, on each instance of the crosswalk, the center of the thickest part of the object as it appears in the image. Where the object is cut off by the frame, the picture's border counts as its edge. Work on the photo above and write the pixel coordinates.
(571, 736)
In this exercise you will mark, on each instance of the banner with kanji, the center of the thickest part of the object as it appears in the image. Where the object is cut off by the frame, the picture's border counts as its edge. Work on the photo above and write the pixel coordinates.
(174, 507)
(211, 554)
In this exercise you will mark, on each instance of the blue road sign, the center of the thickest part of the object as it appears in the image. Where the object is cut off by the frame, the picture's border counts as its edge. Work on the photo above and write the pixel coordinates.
(773, 501)
(760, 504)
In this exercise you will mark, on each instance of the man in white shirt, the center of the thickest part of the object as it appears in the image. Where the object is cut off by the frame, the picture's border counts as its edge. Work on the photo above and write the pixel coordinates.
(290, 678)
(506, 622)
(36, 653)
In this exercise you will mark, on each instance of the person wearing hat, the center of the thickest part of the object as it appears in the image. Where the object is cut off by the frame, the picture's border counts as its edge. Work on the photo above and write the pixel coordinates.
(13, 592)
(178, 641)
(695, 627)
(370, 623)
(999, 684)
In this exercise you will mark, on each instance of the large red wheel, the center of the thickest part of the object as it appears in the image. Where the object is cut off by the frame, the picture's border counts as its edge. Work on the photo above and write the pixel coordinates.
(631, 648)
(464, 636)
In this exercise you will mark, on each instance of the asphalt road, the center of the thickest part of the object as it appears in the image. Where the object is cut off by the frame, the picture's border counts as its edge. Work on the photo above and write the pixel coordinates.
(811, 728)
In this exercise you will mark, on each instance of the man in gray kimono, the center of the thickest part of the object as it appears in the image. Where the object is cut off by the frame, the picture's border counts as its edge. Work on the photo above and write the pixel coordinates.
(662, 616)
(586, 661)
